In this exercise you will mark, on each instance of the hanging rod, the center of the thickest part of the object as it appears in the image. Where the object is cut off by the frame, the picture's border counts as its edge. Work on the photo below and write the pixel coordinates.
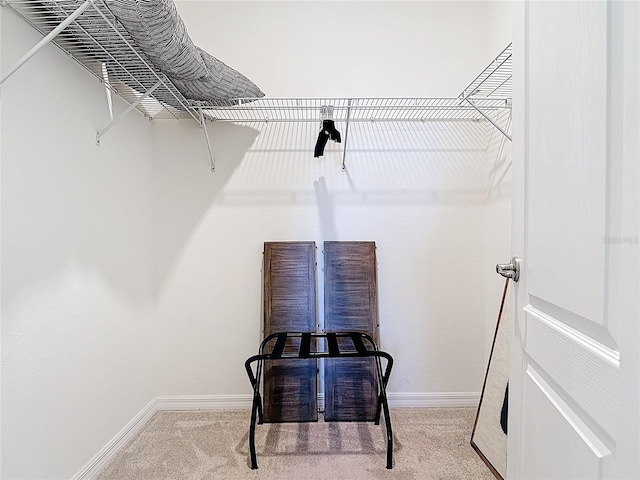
(358, 109)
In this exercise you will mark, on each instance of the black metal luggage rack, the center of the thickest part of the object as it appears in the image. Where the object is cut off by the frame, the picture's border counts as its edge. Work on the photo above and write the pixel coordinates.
(337, 346)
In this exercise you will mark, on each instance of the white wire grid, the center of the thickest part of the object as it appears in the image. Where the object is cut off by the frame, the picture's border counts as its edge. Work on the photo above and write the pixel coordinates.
(96, 40)
(352, 109)
(490, 92)
(495, 81)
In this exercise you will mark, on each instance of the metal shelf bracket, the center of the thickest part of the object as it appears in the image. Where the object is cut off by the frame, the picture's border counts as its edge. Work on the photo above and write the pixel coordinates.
(203, 125)
(126, 112)
(87, 31)
(47, 39)
(346, 136)
(488, 118)
(494, 81)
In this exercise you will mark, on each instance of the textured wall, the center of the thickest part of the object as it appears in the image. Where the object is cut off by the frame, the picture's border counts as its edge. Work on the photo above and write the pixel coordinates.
(130, 271)
(77, 336)
(426, 194)
(424, 207)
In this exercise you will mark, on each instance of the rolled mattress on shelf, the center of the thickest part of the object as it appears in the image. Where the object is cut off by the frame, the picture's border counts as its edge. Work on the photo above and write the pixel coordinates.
(160, 33)
(124, 35)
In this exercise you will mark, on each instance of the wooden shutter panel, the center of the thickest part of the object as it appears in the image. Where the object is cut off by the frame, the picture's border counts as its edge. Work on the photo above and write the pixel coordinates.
(350, 304)
(290, 388)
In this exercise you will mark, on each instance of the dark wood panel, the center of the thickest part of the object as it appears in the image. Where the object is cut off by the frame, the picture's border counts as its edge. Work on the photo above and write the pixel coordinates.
(290, 389)
(350, 390)
(350, 304)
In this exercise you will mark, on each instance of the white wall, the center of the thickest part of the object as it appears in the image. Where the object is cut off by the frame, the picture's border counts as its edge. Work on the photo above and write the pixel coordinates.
(426, 194)
(425, 207)
(129, 271)
(497, 228)
(352, 49)
(77, 330)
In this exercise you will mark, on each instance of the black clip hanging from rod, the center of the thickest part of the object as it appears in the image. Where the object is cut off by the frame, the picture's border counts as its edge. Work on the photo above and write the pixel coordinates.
(328, 130)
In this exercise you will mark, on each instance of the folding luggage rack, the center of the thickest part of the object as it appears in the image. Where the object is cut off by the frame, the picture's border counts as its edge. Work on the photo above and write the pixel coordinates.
(338, 346)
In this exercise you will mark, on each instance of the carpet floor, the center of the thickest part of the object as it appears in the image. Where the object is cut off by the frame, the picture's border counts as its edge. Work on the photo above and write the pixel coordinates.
(429, 443)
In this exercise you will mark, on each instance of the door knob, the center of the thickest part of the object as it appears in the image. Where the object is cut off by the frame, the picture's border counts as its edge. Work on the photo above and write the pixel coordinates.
(510, 270)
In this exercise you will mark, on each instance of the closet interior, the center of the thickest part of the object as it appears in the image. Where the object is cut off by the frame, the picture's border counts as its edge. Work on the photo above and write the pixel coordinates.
(92, 35)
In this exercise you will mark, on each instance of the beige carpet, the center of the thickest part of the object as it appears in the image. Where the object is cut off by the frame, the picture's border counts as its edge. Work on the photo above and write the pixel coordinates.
(430, 443)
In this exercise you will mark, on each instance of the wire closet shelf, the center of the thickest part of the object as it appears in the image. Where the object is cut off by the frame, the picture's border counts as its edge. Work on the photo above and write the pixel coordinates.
(351, 109)
(489, 92)
(88, 32)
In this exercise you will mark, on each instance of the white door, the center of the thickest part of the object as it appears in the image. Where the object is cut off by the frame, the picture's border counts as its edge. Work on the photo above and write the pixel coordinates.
(574, 378)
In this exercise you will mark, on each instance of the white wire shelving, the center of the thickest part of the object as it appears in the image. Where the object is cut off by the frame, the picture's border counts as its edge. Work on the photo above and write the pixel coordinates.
(489, 92)
(495, 81)
(351, 109)
(88, 32)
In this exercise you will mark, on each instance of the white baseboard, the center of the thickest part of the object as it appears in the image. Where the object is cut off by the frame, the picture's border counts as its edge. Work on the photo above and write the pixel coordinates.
(241, 402)
(424, 400)
(205, 402)
(440, 399)
(94, 467)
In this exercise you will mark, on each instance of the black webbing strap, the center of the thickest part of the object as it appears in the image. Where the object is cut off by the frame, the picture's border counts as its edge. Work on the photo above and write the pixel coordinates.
(332, 341)
(279, 348)
(357, 342)
(305, 345)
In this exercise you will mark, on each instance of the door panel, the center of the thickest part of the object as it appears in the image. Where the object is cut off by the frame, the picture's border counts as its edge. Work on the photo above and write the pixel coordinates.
(565, 448)
(351, 292)
(587, 371)
(290, 388)
(350, 304)
(567, 149)
(566, 199)
(574, 382)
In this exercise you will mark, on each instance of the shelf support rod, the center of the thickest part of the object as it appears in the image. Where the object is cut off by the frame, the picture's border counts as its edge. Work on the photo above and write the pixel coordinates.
(126, 112)
(487, 117)
(203, 125)
(151, 69)
(346, 136)
(47, 39)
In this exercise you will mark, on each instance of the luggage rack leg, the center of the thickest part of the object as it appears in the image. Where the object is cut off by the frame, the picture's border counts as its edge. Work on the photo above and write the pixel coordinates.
(256, 408)
(382, 403)
(389, 433)
(252, 434)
